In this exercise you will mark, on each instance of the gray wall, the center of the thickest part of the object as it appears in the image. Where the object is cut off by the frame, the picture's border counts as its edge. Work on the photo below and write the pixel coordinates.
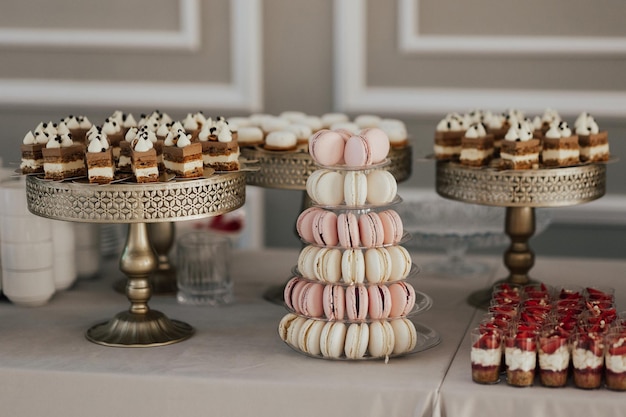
(389, 58)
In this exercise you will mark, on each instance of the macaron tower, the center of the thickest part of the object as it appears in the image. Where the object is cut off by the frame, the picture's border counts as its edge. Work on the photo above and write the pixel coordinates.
(349, 298)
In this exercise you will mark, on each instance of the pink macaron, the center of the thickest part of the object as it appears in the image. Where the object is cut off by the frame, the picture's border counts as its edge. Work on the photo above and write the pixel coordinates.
(326, 147)
(378, 143)
(292, 293)
(348, 230)
(402, 298)
(310, 302)
(371, 229)
(379, 301)
(392, 226)
(357, 302)
(325, 228)
(357, 152)
(334, 300)
(304, 224)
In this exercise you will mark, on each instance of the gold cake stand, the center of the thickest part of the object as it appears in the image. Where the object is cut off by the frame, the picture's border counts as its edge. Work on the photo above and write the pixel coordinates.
(520, 191)
(138, 205)
(290, 170)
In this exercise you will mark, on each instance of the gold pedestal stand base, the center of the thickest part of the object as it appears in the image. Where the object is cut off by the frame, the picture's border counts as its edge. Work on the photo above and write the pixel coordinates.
(520, 191)
(163, 278)
(139, 330)
(139, 326)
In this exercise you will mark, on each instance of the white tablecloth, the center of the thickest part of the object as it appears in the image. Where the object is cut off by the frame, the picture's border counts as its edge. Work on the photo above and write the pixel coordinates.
(236, 364)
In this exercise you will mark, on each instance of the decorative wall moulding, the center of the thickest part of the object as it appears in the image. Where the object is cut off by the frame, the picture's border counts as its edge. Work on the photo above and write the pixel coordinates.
(187, 37)
(411, 41)
(242, 93)
(352, 94)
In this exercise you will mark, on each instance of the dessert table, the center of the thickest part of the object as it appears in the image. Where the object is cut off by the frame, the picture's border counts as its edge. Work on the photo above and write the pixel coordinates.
(236, 364)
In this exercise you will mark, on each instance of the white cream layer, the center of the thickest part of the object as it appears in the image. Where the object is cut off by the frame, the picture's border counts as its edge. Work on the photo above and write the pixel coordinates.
(31, 163)
(146, 172)
(556, 361)
(615, 363)
(584, 358)
(476, 154)
(183, 166)
(522, 360)
(560, 154)
(101, 172)
(233, 157)
(486, 357)
(447, 150)
(520, 158)
(67, 166)
(593, 151)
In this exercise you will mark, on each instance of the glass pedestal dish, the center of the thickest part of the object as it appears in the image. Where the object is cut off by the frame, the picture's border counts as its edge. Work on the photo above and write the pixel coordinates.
(137, 205)
(520, 192)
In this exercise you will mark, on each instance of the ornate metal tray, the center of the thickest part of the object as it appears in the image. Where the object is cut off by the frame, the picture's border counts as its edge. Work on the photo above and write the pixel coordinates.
(546, 187)
(290, 170)
(138, 205)
(132, 203)
(520, 191)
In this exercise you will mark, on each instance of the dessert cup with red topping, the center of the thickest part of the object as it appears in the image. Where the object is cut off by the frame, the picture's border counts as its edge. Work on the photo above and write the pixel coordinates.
(615, 360)
(587, 359)
(520, 356)
(554, 356)
(486, 355)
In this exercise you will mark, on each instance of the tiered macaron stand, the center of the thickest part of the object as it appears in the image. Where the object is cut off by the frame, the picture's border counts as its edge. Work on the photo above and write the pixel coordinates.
(520, 191)
(138, 205)
(289, 170)
(426, 337)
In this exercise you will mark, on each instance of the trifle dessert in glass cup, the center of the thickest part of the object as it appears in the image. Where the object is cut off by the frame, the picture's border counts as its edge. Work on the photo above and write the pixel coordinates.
(615, 359)
(587, 358)
(486, 354)
(554, 356)
(520, 353)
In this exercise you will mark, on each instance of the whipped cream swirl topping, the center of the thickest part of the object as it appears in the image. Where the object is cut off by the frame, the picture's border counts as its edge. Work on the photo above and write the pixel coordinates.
(559, 130)
(29, 139)
(142, 143)
(451, 123)
(98, 144)
(62, 129)
(93, 130)
(550, 115)
(476, 131)
(60, 141)
(183, 140)
(83, 122)
(519, 132)
(163, 130)
(190, 122)
(71, 122)
(587, 126)
(131, 134)
(111, 126)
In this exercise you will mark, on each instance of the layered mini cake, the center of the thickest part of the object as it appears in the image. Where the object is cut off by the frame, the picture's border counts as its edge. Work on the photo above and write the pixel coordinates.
(32, 155)
(593, 142)
(182, 157)
(62, 158)
(519, 149)
(560, 146)
(520, 355)
(448, 136)
(554, 357)
(99, 159)
(144, 160)
(588, 360)
(497, 126)
(115, 135)
(615, 361)
(486, 356)
(476, 146)
(124, 162)
(78, 126)
(220, 150)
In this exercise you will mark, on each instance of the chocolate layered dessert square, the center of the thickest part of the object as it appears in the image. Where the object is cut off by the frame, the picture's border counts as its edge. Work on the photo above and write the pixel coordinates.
(185, 162)
(448, 145)
(64, 162)
(221, 156)
(519, 154)
(476, 151)
(145, 165)
(594, 147)
(100, 168)
(32, 158)
(560, 152)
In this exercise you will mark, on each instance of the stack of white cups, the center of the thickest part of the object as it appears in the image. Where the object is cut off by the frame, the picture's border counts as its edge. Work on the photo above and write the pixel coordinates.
(26, 249)
(87, 249)
(64, 250)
